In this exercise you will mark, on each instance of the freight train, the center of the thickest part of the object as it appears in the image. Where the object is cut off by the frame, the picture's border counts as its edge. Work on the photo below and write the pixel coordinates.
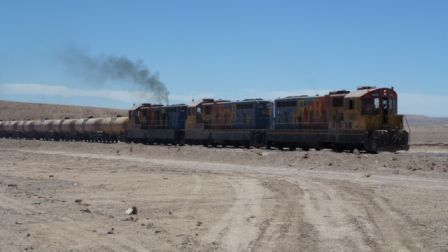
(365, 119)
(107, 130)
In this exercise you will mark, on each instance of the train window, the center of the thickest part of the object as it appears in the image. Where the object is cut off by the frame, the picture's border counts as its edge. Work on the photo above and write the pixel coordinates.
(338, 101)
(136, 117)
(393, 105)
(286, 103)
(351, 104)
(385, 104)
(244, 106)
(207, 110)
(367, 106)
(262, 105)
(376, 102)
(199, 110)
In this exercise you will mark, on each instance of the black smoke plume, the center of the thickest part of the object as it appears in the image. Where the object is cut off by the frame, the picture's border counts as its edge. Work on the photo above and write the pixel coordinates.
(117, 68)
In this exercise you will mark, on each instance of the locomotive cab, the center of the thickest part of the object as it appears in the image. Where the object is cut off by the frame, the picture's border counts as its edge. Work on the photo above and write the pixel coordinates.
(374, 110)
(378, 110)
(150, 123)
(195, 113)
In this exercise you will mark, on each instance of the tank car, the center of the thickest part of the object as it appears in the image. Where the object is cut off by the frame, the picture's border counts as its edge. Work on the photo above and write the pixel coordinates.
(92, 130)
(67, 129)
(79, 132)
(49, 129)
(11, 129)
(28, 129)
(114, 128)
(3, 128)
(56, 129)
(40, 129)
(6, 127)
(19, 129)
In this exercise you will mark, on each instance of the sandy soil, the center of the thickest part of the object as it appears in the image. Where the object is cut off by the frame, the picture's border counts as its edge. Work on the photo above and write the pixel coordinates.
(65, 196)
(435, 134)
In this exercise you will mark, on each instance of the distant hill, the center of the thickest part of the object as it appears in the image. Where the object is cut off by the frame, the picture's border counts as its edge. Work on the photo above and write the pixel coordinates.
(421, 120)
(10, 110)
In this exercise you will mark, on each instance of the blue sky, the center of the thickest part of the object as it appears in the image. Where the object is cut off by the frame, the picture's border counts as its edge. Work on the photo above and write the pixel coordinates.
(229, 49)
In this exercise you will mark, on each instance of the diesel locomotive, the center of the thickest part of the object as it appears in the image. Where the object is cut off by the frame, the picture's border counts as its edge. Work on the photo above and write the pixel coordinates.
(365, 119)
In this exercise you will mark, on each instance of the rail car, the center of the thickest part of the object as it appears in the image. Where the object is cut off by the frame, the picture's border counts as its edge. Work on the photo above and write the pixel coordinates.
(222, 122)
(365, 119)
(67, 129)
(157, 124)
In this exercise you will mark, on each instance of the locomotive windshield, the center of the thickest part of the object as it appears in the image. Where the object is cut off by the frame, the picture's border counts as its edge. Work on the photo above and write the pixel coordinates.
(377, 105)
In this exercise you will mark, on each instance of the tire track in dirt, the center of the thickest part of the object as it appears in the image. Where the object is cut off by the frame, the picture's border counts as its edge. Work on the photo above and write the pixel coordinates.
(238, 227)
(193, 194)
(327, 212)
(185, 211)
(285, 229)
(352, 218)
(391, 228)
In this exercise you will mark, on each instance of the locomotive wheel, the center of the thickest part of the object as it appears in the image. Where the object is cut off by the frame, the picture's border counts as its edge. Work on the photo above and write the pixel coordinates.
(338, 149)
(373, 149)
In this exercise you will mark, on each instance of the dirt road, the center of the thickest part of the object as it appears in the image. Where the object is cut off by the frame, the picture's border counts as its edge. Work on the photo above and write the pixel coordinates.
(73, 197)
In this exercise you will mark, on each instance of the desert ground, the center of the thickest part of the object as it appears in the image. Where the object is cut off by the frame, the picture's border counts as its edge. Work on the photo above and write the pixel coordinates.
(68, 196)
(74, 196)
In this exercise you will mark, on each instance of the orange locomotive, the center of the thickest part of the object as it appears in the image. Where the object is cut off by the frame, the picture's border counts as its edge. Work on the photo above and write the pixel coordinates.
(365, 119)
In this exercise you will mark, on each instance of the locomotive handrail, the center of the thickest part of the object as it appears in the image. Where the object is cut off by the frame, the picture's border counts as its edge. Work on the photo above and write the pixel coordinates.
(301, 124)
(409, 128)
